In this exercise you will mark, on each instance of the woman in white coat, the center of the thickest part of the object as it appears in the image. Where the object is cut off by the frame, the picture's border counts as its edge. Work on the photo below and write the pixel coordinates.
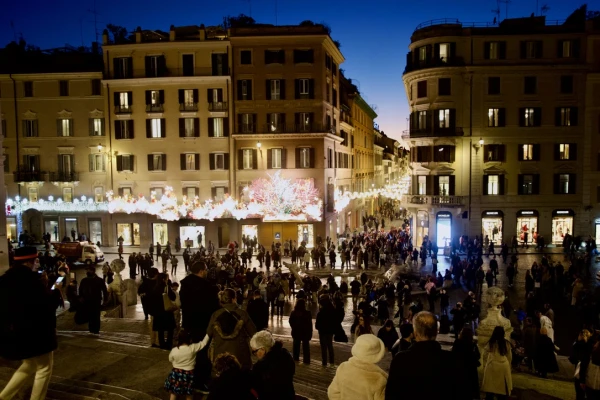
(497, 378)
(360, 378)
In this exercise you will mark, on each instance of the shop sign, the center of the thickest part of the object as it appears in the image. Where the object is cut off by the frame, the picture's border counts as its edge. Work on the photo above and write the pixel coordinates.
(526, 212)
(444, 215)
(562, 212)
(277, 235)
(491, 213)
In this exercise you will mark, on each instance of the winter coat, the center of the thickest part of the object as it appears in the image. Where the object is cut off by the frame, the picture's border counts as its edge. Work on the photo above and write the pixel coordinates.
(231, 329)
(199, 300)
(301, 323)
(358, 380)
(326, 322)
(388, 338)
(467, 355)
(497, 377)
(163, 320)
(27, 315)
(273, 375)
(258, 311)
(545, 359)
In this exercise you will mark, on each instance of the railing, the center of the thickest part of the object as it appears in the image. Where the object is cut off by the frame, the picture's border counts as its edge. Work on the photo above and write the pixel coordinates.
(123, 109)
(435, 200)
(154, 108)
(247, 128)
(169, 72)
(62, 176)
(29, 176)
(218, 106)
(439, 21)
(454, 21)
(289, 128)
(188, 106)
(433, 63)
(437, 132)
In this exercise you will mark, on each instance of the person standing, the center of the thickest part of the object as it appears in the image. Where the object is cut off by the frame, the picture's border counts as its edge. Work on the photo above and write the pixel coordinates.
(27, 325)
(174, 263)
(272, 376)
(199, 300)
(258, 310)
(360, 377)
(164, 320)
(467, 354)
(93, 291)
(326, 324)
(407, 379)
(497, 377)
(158, 250)
(302, 330)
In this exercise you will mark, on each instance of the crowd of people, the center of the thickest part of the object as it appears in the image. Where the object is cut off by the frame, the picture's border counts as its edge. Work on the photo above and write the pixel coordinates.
(213, 322)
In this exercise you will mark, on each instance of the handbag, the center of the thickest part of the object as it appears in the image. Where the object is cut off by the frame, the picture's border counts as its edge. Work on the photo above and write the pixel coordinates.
(577, 370)
(168, 304)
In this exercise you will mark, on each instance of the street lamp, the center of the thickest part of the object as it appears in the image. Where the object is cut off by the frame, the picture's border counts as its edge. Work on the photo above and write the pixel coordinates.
(478, 145)
(99, 148)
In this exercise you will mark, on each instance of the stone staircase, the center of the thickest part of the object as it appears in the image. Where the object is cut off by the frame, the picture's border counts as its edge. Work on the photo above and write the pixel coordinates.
(71, 389)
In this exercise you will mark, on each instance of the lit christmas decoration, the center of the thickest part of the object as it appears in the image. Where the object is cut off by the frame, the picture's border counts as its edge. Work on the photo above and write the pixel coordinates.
(18, 205)
(272, 199)
(393, 191)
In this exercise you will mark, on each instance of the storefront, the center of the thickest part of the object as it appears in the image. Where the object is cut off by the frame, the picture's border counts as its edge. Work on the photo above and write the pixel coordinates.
(421, 226)
(527, 226)
(491, 226)
(194, 233)
(11, 228)
(130, 232)
(596, 231)
(306, 235)
(160, 233)
(562, 224)
(94, 231)
(71, 228)
(51, 226)
(443, 228)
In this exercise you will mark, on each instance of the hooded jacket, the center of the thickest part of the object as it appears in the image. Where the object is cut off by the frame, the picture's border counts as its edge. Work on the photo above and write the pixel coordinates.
(273, 376)
(231, 330)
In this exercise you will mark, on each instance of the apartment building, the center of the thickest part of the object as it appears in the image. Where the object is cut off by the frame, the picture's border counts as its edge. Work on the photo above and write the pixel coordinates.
(287, 117)
(199, 111)
(53, 119)
(501, 132)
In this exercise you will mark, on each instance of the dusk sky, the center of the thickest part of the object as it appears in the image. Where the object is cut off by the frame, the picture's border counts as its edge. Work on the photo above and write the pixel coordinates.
(374, 34)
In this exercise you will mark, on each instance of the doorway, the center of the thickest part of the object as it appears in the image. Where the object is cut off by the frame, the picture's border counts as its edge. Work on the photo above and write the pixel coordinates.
(71, 229)
(51, 226)
(192, 234)
(562, 224)
(443, 229)
(491, 226)
(306, 235)
(95, 231)
(223, 235)
(422, 226)
(527, 226)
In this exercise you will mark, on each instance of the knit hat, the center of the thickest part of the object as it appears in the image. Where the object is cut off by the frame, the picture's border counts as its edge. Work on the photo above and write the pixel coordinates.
(25, 253)
(368, 348)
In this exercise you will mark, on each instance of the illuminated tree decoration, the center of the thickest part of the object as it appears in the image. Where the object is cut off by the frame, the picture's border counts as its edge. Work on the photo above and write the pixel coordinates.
(272, 199)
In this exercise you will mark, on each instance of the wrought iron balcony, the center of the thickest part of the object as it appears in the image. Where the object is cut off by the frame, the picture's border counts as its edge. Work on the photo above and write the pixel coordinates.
(154, 108)
(433, 132)
(170, 72)
(62, 176)
(188, 106)
(288, 128)
(217, 106)
(443, 201)
(123, 109)
(29, 176)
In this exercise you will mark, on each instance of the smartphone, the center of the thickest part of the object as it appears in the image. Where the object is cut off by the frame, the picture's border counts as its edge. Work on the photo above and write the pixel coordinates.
(58, 281)
(40, 272)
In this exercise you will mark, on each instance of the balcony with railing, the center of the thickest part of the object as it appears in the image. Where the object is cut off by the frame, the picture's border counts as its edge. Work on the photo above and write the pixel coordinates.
(168, 73)
(217, 106)
(25, 175)
(188, 106)
(123, 109)
(285, 128)
(433, 132)
(154, 108)
(64, 176)
(434, 200)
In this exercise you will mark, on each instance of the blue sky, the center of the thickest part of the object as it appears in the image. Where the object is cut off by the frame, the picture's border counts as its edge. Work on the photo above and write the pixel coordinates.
(374, 34)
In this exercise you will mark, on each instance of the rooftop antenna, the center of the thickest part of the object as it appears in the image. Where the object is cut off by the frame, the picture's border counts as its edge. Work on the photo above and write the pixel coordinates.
(250, 5)
(95, 20)
(506, 3)
(275, 12)
(496, 12)
(544, 9)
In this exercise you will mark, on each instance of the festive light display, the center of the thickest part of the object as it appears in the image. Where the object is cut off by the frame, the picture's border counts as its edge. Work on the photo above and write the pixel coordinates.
(272, 199)
(393, 191)
(18, 205)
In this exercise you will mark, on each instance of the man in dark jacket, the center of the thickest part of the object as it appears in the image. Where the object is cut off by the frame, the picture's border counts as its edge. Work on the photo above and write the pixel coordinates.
(27, 325)
(413, 370)
(199, 300)
(273, 374)
(93, 291)
(258, 311)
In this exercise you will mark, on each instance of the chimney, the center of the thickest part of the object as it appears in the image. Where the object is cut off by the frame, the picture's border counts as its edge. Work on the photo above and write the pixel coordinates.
(172, 33)
(202, 33)
(105, 37)
(138, 35)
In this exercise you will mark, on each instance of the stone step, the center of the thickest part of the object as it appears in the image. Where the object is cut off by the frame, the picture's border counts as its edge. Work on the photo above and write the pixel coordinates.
(71, 389)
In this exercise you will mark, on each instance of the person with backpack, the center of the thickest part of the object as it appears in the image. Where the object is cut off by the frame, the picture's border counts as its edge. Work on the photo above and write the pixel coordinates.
(231, 330)
(27, 325)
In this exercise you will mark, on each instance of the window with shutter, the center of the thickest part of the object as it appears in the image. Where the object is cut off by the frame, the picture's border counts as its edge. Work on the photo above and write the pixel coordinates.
(96, 126)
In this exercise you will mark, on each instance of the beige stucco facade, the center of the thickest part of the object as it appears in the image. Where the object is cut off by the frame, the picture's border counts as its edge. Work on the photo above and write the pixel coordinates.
(518, 124)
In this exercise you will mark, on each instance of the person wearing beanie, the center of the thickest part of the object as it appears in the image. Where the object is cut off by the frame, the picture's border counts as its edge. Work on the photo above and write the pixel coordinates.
(273, 373)
(360, 378)
(27, 325)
